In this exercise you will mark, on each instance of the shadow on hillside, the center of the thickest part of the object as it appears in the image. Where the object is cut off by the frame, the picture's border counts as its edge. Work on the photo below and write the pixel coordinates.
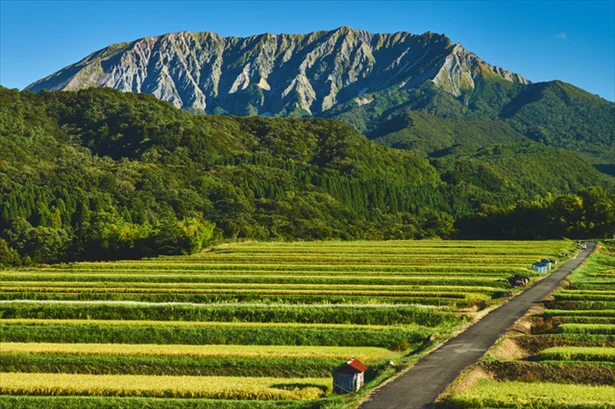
(607, 169)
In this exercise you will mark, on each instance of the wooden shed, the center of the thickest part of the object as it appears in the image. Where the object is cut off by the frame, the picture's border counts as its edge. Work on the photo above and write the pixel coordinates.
(540, 267)
(349, 377)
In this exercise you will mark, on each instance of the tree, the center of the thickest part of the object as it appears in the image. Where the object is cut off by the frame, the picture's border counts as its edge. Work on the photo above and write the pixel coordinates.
(185, 236)
(8, 256)
(47, 245)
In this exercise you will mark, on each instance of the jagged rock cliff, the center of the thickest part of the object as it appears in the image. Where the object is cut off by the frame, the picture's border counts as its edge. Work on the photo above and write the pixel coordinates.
(284, 74)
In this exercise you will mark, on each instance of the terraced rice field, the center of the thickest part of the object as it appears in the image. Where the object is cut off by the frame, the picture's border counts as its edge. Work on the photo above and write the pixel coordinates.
(568, 361)
(536, 395)
(253, 325)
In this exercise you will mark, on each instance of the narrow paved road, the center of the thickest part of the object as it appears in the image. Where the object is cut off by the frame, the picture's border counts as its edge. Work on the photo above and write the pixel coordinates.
(422, 384)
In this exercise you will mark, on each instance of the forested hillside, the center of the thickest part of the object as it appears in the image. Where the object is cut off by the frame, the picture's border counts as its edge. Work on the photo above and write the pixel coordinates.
(559, 114)
(420, 131)
(428, 120)
(99, 174)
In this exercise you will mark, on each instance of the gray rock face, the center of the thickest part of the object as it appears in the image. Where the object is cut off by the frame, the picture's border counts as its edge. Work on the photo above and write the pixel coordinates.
(286, 74)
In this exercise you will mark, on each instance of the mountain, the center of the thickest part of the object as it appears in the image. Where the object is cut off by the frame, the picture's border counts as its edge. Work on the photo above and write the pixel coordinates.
(373, 82)
(276, 74)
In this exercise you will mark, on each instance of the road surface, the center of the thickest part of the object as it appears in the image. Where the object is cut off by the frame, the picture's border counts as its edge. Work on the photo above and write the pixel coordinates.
(424, 382)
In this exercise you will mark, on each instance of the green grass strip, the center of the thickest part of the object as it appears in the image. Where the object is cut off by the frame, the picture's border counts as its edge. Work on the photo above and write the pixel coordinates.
(148, 332)
(521, 395)
(606, 329)
(315, 313)
(578, 354)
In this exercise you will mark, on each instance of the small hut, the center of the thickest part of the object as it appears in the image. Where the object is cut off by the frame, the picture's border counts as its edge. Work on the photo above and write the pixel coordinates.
(348, 377)
(540, 267)
(547, 262)
(553, 261)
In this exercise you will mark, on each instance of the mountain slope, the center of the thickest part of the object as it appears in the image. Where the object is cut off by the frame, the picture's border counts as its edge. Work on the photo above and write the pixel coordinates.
(551, 113)
(559, 114)
(420, 131)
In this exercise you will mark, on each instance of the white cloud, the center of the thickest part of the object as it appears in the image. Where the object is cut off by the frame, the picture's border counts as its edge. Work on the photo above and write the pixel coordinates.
(561, 36)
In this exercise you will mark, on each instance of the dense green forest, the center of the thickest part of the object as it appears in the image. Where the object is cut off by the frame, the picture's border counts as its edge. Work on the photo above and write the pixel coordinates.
(428, 119)
(99, 174)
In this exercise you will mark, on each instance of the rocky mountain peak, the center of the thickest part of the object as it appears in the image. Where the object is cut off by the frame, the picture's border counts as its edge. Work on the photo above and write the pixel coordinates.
(276, 74)
(461, 68)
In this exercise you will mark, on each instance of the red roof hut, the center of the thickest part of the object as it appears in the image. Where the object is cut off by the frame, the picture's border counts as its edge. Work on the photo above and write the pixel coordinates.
(348, 377)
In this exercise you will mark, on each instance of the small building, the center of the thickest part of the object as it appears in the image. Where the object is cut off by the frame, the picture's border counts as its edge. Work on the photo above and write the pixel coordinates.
(547, 262)
(553, 261)
(540, 267)
(349, 377)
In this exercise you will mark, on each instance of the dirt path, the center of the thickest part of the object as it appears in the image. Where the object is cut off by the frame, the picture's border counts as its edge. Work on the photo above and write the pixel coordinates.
(422, 384)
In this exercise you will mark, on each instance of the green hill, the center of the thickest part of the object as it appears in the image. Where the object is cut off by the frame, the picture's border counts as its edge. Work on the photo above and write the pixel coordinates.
(559, 114)
(100, 174)
(427, 133)
(551, 113)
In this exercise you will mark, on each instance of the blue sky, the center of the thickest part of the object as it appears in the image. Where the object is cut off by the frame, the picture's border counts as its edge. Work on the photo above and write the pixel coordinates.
(544, 40)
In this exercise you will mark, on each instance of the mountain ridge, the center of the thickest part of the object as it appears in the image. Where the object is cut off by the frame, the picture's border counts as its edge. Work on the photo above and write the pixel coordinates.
(364, 79)
(203, 70)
